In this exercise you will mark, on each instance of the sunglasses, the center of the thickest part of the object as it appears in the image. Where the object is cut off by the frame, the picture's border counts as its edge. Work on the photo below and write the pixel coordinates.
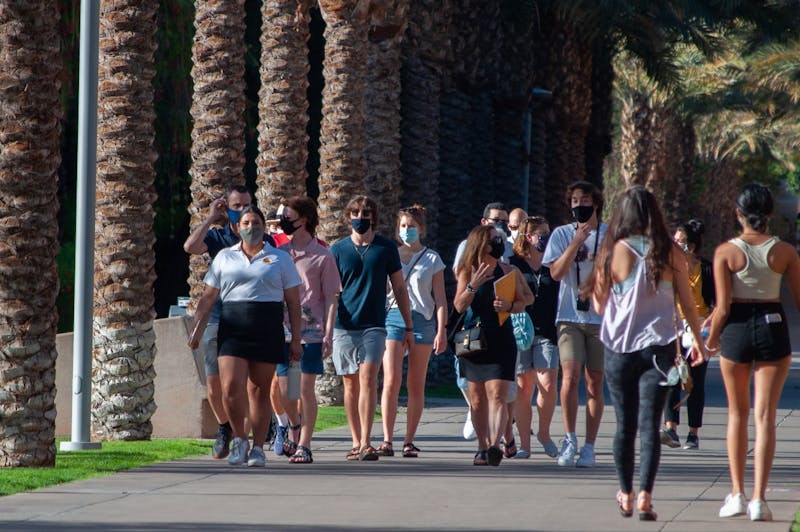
(497, 220)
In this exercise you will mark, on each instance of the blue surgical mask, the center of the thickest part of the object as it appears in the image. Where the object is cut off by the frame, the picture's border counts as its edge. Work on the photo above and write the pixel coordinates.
(409, 235)
(234, 216)
(360, 225)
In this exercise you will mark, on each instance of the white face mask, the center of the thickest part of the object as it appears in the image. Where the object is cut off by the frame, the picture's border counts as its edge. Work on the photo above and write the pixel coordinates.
(514, 234)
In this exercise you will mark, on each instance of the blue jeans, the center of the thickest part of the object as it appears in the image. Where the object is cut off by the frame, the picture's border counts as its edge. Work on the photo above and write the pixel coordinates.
(638, 402)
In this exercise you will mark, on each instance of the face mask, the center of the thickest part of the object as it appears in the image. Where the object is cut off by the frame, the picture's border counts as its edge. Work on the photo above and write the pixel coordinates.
(502, 228)
(287, 225)
(360, 225)
(541, 244)
(409, 235)
(514, 234)
(234, 216)
(252, 235)
(582, 213)
(498, 248)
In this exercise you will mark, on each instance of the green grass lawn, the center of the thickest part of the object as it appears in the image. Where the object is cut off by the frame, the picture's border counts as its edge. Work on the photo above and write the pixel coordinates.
(796, 524)
(118, 456)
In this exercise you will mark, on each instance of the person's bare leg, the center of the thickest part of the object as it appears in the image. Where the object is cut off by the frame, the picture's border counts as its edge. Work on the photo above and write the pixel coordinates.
(416, 376)
(737, 387)
(233, 378)
(570, 380)
(275, 398)
(594, 404)
(309, 408)
(547, 383)
(479, 406)
(496, 392)
(508, 429)
(769, 378)
(392, 379)
(522, 409)
(368, 399)
(258, 387)
(214, 396)
(351, 399)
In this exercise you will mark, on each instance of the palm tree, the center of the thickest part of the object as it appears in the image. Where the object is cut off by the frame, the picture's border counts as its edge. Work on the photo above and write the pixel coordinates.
(282, 102)
(124, 340)
(424, 54)
(382, 105)
(30, 115)
(218, 105)
(342, 136)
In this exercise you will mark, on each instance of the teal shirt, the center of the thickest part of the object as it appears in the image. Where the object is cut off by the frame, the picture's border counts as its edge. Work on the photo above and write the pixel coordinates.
(364, 271)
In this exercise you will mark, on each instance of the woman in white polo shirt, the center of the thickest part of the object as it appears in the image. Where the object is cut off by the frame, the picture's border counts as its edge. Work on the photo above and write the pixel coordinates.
(253, 280)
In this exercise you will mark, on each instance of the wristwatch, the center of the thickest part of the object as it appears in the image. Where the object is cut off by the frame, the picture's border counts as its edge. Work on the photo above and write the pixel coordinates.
(470, 289)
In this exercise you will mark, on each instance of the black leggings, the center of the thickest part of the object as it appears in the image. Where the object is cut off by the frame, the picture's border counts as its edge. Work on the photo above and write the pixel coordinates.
(694, 404)
(638, 402)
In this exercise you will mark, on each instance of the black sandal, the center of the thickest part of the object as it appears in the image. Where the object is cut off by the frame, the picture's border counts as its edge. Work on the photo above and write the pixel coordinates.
(494, 456)
(385, 449)
(480, 458)
(510, 448)
(302, 456)
(410, 450)
(289, 446)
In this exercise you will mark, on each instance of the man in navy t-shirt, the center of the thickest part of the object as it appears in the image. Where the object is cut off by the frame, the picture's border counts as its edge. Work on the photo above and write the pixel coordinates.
(365, 260)
(213, 240)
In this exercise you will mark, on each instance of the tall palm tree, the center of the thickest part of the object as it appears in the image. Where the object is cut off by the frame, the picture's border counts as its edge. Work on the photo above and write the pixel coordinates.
(218, 105)
(342, 135)
(282, 102)
(424, 55)
(29, 157)
(388, 21)
(124, 340)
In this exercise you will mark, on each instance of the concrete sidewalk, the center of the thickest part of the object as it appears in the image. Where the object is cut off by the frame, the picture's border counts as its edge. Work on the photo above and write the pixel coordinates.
(440, 490)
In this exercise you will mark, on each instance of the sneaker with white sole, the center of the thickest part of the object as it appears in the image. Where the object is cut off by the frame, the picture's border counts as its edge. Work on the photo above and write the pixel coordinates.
(692, 442)
(585, 457)
(669, 437)
(256, 457)
(568, 451)
(239, 448)
(469, 429)
(734, 505)
(758, 510)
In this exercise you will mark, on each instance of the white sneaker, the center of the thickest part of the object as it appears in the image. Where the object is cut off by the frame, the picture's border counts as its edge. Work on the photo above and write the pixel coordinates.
(586, 457)
(469, 429)
(734, 505)
(758, 510)
(568, 451)
(239, 448)
(256, 457)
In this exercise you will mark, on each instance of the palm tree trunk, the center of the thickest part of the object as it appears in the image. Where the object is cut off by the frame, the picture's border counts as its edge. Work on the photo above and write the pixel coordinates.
(282, 102)
(342, 135)
(424, 52)
(382, 106)
(30, 117)
(218, 105)
(124, 340)
(635, 126)
(599, 137)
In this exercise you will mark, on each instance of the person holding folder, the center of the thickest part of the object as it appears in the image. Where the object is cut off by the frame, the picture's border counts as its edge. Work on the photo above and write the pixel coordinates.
(487, 291)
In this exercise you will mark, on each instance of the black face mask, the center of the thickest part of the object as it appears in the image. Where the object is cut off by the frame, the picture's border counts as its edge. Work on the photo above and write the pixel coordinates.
(287, 225)
(541, 244)
(360, 225)
(582, 213)
(498, 247)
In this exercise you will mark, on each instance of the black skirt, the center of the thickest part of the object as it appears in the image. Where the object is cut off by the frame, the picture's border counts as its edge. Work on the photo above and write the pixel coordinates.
(252, 330)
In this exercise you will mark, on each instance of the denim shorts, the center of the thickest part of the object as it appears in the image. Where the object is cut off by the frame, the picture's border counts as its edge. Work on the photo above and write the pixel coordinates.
(208, 346)
(542, 354)
(310, 362)
(755, 332)
(424, 330)
(351, 348)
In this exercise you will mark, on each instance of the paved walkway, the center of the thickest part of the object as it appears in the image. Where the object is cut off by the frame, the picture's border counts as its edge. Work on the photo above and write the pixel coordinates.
(440, 490)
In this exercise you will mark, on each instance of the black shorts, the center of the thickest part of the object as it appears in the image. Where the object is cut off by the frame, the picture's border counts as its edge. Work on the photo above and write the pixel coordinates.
(253, 331)
(755, 332)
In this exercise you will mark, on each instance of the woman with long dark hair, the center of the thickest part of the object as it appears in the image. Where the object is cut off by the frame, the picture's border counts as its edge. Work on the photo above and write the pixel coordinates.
(639, 270)
(749, 325)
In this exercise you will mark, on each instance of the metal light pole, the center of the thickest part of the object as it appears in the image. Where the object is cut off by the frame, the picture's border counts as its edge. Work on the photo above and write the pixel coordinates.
(84, 233)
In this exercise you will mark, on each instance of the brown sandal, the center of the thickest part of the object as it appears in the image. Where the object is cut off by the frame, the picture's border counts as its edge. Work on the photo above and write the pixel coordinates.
(353, 454)
(368, 454)
(625, 502)
(385, 449)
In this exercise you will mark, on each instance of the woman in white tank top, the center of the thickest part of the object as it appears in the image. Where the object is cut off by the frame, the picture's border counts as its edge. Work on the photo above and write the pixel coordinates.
(749, 325)
(632, 288)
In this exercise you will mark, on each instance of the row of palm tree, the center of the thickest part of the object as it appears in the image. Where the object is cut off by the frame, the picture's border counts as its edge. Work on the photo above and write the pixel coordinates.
(424, 101)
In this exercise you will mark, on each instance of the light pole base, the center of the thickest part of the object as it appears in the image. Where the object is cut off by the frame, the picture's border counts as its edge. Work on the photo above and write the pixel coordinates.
(79, 446)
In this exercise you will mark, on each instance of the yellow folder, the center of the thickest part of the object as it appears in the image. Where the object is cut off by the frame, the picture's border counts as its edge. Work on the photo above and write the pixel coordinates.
(505, 288)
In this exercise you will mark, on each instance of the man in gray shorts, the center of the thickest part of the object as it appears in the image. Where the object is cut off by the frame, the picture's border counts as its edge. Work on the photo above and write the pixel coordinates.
(365, 260)
(570, 255)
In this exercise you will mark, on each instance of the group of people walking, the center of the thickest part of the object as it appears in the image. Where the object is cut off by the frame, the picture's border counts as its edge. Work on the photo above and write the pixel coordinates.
(625, 301)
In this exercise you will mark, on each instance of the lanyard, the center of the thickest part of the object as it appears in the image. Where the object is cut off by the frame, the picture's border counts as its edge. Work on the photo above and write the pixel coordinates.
(594, 254)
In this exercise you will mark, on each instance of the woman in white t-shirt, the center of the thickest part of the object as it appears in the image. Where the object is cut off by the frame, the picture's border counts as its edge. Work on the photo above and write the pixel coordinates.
(423, 271)
(253, 280)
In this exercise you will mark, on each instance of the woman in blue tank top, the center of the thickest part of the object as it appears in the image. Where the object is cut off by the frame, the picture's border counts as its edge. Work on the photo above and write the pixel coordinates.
(632, 288)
